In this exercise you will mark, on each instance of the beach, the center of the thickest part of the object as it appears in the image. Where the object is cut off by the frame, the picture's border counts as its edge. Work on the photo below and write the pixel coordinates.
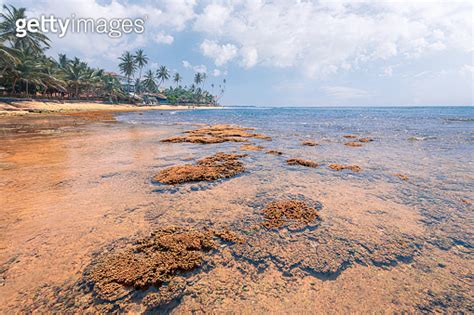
(286, 210)
(18, 108)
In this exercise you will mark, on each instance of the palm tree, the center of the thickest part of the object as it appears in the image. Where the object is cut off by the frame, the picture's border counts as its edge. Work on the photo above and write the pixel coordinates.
(163, 74)
(33, 71)
(36, 41)
(177, 78)
(128, 67)
(197, 78)
(76, 74)
(141, 60)
(112, 87)
(149, 82)
(62, 61)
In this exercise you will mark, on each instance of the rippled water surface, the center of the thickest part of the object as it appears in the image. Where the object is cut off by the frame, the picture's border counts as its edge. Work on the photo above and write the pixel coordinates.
(72, 190)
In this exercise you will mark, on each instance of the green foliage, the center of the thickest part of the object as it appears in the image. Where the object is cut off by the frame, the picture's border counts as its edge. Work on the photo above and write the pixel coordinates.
(192, 95)
(26, 70)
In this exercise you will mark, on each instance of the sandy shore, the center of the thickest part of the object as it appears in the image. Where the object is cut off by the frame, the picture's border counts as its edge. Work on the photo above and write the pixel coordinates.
(35, 107)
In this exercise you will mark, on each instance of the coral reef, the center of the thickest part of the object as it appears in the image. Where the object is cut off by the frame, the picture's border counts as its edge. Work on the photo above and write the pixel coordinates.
(310, 143)
(302, 162)
(274, 152)
(251, 147)
(353, 144)
(295, 212)
(217, 134)
(153, 261)
(401, 176)
(339, 167)
(211, 168)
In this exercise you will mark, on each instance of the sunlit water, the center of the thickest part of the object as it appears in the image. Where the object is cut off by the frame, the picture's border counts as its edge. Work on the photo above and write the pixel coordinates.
(68, 195)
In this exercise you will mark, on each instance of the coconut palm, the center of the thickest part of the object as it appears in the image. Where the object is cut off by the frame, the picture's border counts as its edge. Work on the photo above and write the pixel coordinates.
(149, 82)
(163, 74)
(62, 61)
(198, 78)
(76, 74)
(36, 42)
(141, 60)
(128, 67)
(112, 88)
(33, 73)
(177, 78)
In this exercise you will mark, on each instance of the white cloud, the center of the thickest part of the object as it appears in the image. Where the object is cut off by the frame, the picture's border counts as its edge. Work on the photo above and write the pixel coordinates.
(171, 15)
(218, 73)
(187, 64)
(388, 71)
(249, 57)
(220, 53)
(162, 38)
(467, 69)
(197, 68)
(213, 17)
(325, 37)
(345, 93)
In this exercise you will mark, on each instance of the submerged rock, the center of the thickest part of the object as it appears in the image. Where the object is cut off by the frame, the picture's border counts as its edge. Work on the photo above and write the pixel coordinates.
(339, 167)
(217, 134)
(294, 212)
(298, 161)
(350, 136)
(211, 168)
(365, 140)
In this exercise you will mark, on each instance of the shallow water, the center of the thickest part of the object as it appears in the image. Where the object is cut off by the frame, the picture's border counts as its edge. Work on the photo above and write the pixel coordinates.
(396, 245)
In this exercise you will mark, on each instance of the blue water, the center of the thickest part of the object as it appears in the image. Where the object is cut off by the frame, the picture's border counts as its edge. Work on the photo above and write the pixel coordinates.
(433, 146)
(447, 129)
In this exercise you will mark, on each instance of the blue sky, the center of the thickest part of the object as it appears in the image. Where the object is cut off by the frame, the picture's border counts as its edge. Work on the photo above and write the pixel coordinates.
(293, 53)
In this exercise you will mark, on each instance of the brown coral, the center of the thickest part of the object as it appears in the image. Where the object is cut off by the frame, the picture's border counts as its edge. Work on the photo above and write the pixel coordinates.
(353, 144)
(277, 213)
(339, 167)
(274, 152)
(217, 134)
(310, 143)
(150, 261)
(401, 176)
(211, 168)
(154, 260)
(251, 147)
(298, 161)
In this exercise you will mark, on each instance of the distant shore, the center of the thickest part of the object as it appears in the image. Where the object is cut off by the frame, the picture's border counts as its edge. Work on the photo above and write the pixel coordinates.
(28, 107)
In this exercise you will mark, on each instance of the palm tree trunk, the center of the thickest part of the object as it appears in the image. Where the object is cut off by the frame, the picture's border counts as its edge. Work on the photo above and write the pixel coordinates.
(13, 86)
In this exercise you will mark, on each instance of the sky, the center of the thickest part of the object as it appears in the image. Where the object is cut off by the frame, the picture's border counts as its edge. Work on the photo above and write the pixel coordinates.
(291, 53)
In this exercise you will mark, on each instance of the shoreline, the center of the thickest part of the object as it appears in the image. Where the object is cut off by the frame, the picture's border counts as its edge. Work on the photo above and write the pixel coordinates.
(26, 108)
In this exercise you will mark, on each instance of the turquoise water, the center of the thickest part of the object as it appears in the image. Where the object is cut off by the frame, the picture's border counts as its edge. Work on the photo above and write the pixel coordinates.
(433, 146)
(410, 138)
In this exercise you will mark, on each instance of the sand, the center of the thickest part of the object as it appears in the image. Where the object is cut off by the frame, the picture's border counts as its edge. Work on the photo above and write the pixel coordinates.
(37, 107)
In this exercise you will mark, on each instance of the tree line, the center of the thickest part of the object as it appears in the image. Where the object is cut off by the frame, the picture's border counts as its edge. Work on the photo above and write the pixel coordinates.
(26, 71)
